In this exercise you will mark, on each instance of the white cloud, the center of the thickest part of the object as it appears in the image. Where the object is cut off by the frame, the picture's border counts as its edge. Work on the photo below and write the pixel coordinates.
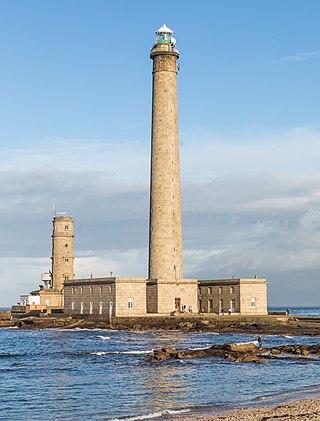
(251, 204)
(305, 55)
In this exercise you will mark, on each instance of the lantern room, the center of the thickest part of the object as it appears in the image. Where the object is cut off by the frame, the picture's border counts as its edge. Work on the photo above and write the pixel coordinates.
(164, 36)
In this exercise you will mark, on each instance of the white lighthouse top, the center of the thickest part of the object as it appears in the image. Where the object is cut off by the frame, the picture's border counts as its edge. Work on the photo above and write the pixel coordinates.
(164, 30)
(164, 36)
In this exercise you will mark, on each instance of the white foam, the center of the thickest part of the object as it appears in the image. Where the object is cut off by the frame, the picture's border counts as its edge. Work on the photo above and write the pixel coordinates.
(104, 338)
(137, 352)
(154, 415)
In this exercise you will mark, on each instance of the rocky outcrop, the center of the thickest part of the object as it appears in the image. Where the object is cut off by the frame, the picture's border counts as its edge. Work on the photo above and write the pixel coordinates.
(233, 352)
(237, 352)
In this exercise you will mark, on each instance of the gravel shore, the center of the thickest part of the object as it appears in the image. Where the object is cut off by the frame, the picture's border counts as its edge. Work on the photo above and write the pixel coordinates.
(303, 410)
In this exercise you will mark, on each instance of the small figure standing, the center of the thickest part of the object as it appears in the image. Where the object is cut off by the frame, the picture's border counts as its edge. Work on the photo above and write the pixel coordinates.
(190, 309)
(229, 311)
(222, 312)
(288, 311)
(260, 341)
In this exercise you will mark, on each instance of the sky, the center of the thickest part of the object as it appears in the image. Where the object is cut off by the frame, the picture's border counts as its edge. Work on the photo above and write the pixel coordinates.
(75, 117)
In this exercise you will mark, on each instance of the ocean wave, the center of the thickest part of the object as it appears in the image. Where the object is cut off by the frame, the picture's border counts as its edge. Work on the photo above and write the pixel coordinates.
(134, 352)
(104, 338)
(152, 415)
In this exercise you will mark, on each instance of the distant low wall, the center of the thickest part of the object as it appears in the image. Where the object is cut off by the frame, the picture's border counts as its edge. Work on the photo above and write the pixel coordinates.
(171, 322)
(5, 315)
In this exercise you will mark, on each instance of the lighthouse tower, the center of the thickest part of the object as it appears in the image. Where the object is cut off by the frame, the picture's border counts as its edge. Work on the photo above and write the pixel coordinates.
(167, 290)
(62, 251)
(165, 241)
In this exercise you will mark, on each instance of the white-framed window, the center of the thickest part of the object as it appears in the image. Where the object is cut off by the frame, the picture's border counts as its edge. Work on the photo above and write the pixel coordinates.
(81, 307)
(72, 290)
(130, 302)
(66, 227)
(72, 307)
(91, 307)
(233, 305)
(66, 260)
(253, 302)
(100, 288)
(220, 290)
(110, 289)
(100, 307)
(221, 306)
(91, 289)
(232, 290)
(81, 290)
(210, 290)
(66, 277)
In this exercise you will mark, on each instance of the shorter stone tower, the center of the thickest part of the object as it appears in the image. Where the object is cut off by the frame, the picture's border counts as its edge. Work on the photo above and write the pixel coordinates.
(62, 251)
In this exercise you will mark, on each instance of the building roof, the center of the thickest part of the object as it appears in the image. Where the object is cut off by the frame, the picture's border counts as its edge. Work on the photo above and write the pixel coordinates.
(164, 29)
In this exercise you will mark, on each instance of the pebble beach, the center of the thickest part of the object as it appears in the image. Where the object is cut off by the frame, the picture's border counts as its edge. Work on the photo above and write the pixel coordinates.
(302, 410)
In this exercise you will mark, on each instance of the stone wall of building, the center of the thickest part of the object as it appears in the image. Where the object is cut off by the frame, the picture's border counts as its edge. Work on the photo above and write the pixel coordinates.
(253, 297)
(173, 296)
(95, 296)
(106, 296)
(218, 297)
(131, 297)
(152, 297)
(50, 298)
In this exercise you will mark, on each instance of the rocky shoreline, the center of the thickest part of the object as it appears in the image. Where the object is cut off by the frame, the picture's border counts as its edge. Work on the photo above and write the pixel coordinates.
(302, 410)
(295, 326)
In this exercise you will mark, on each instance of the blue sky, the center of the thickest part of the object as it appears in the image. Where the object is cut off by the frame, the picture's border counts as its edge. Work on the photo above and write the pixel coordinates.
(75, 84)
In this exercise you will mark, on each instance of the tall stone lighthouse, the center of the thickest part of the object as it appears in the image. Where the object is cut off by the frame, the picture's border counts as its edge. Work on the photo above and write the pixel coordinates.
(62, 251)
(167, 290)
(52, 293)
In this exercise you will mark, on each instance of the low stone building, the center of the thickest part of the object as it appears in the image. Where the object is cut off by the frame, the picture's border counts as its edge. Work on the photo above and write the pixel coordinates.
(105, 297)
(235, 295)
(134, 297)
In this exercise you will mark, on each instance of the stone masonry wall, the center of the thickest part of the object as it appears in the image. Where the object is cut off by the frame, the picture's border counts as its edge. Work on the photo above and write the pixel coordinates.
(165, 248)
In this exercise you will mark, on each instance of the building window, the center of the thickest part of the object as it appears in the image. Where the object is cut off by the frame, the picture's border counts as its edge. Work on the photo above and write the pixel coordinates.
(220, 290)
(210, 306)
(91, 307)
(66, 277)
(221, 307)
(232, 290)
(72, 290)
(91, 289)
(130, 302)
(100, 289)
(253, 302)
(66, 245)
(81, 290)
(110, 289)
(233, 305)
(100, 307)
(66, 260)
(210, 290)
(81, 307)
(66, 227)
(72, 307)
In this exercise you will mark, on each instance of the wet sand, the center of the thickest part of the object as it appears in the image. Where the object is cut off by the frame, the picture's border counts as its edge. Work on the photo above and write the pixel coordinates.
(302, 410)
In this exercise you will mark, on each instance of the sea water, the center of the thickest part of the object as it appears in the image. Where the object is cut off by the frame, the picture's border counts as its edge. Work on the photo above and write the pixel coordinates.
(104, 375)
